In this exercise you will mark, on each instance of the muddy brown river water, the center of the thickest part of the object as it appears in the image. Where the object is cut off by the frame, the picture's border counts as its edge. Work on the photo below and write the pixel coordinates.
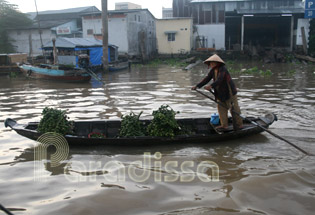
(257, 175)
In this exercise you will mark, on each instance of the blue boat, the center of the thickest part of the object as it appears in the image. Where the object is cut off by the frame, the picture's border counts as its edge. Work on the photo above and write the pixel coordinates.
(55, 72)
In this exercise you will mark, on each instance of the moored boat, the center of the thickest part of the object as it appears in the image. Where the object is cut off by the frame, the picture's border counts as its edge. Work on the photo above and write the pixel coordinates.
(55, 72)
(200, 129)
(117, 66)
(8, 62)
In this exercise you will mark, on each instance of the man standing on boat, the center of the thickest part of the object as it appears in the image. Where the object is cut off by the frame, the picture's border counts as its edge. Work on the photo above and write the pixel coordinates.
(224, 91)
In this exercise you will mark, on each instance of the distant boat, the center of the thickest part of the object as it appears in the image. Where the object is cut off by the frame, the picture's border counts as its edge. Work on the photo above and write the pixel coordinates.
(56, 73)
(118, 66)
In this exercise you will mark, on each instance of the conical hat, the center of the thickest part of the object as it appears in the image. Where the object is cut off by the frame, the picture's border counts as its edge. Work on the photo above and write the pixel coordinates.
(214, 58)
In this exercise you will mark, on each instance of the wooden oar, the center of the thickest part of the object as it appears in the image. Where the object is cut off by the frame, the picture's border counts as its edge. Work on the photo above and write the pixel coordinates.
(94, 75)
(256, 124)
(5, 210)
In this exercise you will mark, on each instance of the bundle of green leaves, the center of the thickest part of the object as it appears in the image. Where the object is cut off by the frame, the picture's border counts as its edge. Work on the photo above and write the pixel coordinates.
(55, 120)
(131, 126)
(164, 123)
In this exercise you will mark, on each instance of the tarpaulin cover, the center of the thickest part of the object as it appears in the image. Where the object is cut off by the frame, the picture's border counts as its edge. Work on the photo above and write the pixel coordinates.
(96, 54)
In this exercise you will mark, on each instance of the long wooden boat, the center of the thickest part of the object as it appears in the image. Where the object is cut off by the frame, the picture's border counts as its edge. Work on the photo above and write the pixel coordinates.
(201, 132)
(55, 72)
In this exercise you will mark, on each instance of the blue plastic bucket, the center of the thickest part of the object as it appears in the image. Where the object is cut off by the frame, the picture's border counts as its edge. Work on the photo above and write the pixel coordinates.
(215, 120)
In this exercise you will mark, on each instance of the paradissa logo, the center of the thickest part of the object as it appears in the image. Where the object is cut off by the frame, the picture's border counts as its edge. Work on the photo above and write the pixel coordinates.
(151, 167)
(41, 158)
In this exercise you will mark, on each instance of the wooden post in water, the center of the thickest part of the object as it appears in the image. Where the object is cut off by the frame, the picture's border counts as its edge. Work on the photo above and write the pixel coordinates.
(39, 29)
(105, 35)
(304, 40)
(242, 33)
(55, 51)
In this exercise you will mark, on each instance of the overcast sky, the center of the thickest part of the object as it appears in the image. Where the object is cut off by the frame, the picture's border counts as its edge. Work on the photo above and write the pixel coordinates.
(155, 6)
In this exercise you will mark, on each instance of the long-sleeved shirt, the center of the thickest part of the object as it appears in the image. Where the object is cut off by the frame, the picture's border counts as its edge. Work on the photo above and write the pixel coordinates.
(220, 84)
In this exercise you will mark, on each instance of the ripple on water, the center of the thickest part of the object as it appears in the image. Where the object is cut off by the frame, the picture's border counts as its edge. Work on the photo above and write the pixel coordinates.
(258, 175)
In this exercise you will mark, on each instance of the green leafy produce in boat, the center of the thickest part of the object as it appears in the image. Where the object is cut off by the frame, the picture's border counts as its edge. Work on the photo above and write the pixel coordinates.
(131, 126)
(164, 123)
(55, 120)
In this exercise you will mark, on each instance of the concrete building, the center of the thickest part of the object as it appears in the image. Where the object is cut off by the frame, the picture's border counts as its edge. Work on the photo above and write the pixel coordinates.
(53, 24)
(167, 13)
(233, 24)
(133, 31)
(126, 6)
(174, 36)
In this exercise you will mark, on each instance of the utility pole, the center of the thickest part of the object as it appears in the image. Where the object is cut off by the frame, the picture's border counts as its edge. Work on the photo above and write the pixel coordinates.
(105, 35)
(39, 30)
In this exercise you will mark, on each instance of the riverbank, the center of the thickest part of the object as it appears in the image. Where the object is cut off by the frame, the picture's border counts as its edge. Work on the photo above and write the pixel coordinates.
(276, 55)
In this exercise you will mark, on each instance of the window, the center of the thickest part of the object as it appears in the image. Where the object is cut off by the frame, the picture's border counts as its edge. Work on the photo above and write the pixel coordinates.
(214, 14)
(171, 36)
(221, 16)
(138, 18)
(208, 17)
(135, 17)
(90, 31)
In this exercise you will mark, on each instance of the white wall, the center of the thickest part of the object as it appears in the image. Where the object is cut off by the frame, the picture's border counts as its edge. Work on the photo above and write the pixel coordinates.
(215, 34)
(72, 25)
(27, 41)
(117, 33)
(306, 24)
(95, 24)
(123, 31)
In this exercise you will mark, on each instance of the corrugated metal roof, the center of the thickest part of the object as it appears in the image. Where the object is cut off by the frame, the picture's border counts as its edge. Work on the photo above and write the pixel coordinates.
(119, 11)
(43, 24)
(54, 18)
(206, 1)
(69, 10)
(78, 10)
(64, 42)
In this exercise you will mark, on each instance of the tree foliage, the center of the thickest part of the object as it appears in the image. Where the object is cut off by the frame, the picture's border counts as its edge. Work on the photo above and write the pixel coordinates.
(10, 17)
